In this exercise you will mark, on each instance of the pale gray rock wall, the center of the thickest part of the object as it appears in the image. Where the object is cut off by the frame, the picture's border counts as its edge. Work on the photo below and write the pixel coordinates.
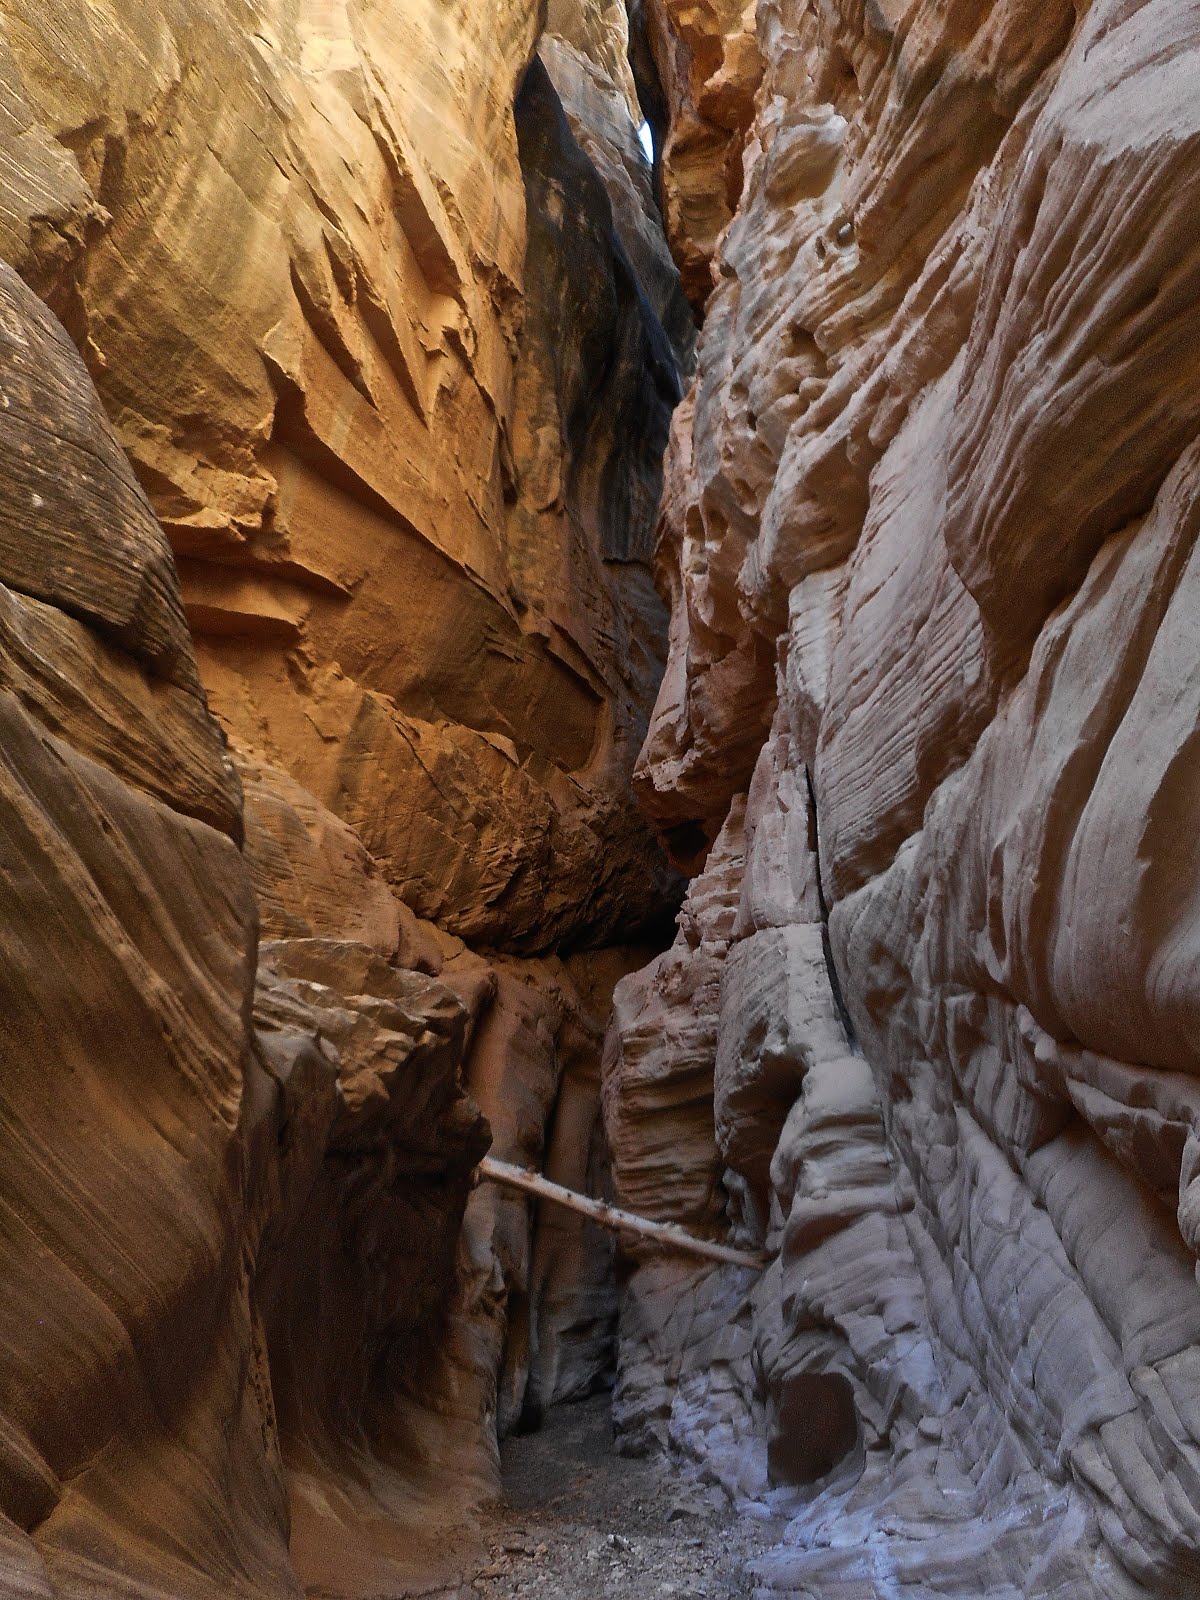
(929, 536)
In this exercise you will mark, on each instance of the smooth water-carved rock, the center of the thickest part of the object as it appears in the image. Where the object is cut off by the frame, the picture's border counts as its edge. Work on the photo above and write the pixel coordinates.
(224, 1237)
(928, 535)
(412, 541)
(139, 1443)
(390, 340)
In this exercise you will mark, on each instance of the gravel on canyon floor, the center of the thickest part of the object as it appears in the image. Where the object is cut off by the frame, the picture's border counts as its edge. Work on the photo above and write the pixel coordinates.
(580, 1522)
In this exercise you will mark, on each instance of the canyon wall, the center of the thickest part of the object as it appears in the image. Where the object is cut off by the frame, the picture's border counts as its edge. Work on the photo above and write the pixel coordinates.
(339, 345)
(337, 356)
(930, 718)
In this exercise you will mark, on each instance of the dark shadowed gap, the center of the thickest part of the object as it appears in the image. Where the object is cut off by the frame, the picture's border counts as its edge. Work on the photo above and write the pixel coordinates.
(827, 947)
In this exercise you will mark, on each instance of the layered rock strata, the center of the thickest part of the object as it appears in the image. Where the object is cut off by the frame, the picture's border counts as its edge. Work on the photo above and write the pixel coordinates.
(391, 521)
(929, 536)
(384, 339)
(139, 1444)
(228, 1212)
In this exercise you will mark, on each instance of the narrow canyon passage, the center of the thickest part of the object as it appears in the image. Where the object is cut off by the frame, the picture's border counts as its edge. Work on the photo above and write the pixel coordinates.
(608, 588)
(578, 1520)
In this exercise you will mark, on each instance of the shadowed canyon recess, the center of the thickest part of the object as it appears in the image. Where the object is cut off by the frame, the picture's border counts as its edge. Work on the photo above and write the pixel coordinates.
(613, 583)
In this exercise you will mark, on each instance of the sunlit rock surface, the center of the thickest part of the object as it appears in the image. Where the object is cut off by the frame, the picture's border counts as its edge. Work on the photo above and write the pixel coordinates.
(367, 348)
(224, 1230)
(309, 265)
(377, 302)
(929, 536)
(702, 59)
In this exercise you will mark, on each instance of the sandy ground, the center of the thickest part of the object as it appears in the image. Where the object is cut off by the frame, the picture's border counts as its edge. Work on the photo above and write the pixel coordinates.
(580, 1522)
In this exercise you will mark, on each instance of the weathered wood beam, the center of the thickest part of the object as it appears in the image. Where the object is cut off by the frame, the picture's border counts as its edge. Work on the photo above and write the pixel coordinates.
(669, 1234)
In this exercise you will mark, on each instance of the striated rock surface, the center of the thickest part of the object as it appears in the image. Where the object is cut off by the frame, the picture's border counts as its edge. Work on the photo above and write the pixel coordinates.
(226, 1233)
(384, 331)
(411, 537)
(138, 1440)
(373, 343)
(684, 1372)
(929, 535)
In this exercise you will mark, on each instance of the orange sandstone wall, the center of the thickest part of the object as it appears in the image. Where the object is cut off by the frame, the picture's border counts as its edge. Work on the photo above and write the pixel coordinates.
(375, 343)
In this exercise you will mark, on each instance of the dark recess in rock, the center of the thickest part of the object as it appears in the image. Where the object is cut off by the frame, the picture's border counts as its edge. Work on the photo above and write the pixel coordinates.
(589, 323)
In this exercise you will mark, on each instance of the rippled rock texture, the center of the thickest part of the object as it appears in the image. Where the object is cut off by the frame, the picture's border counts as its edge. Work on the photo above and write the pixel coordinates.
(328, 639)
(929, 536)
(309, 264)
(137, 1435)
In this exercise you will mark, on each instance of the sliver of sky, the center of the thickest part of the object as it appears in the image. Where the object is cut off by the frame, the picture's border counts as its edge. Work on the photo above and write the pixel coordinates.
(646, 139)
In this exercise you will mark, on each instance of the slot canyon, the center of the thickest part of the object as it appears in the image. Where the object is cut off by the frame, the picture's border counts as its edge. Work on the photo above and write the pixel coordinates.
(610, 585)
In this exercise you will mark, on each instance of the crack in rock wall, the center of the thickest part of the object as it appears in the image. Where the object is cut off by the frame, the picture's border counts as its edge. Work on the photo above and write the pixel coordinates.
(337, 355)
(929, 538)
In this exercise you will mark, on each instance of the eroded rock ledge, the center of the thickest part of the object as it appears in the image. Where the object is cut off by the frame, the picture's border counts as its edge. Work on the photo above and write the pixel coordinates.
(929, 534)
(328, 639)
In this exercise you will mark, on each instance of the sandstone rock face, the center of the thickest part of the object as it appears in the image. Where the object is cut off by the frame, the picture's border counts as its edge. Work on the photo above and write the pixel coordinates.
(138, 1437)
(685, 1346)
(411, 546)
(586, 50)
(222, 1234)
(702, 57)
(929, 535)
(399, 1342)
(353, 1281)
(378, 307)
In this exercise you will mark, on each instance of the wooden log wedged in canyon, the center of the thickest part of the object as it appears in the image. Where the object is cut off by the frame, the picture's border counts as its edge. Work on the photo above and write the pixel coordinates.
(612, 1217)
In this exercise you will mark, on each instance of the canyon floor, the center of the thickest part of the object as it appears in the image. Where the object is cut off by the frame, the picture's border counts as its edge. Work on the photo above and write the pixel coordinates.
(579, 1522)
